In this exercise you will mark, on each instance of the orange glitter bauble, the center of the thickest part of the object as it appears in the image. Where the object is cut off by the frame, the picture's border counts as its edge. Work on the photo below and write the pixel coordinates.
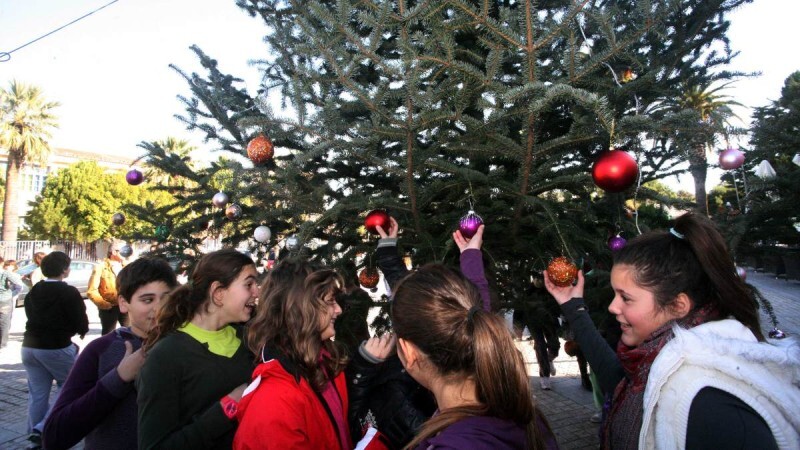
(562, 272)
(369, 277)
(259, 149)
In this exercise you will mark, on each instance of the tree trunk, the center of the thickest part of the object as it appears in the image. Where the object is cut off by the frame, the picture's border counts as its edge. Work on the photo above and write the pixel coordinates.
(11, 201)
(698, 167)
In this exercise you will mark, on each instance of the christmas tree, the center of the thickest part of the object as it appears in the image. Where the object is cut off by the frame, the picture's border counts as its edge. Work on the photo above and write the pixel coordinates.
(431, 109)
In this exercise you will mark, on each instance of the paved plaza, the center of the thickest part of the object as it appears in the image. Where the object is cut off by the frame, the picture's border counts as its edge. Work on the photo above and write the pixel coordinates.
(567, 406)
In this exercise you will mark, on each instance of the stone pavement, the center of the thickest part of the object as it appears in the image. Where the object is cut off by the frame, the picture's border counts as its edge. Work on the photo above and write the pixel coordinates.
(567, 406)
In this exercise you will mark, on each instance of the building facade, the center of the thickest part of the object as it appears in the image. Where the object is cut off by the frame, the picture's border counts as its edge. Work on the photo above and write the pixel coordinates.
(33, 175)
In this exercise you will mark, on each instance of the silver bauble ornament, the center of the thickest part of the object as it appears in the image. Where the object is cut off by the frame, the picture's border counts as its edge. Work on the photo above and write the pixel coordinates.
(262, 233)
(220, 199)
(292, 243)
(126, 251)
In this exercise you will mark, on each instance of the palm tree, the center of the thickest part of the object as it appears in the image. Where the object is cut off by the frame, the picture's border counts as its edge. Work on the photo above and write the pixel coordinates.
(25, 126)
(714, 111)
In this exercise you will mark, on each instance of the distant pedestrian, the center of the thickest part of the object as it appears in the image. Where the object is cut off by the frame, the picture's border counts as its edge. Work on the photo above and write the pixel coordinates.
(36, 276)
(10, 282)
(55, 312)
(102, 290)
(98, 401)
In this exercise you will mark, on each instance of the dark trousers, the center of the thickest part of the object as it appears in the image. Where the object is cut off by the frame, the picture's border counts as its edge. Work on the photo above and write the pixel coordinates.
(110, 317)
(546, 346)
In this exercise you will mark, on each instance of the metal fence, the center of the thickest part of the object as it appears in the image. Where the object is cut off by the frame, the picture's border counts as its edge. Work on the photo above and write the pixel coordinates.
(24, 250)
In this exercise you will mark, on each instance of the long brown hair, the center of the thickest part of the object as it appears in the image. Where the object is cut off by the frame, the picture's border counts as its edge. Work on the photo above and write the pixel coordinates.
(692, 259)
(292, 299)
(439, 311)
(182, 304)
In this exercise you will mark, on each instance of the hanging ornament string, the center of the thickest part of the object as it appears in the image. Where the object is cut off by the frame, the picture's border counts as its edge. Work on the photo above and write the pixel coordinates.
(636, 194)
(5, 56)
(610, 69)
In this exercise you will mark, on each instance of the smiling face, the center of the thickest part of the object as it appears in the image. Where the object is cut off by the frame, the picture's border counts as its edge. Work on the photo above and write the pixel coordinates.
(635, 307)
(327, 316)
(142, 306)
(238, 300)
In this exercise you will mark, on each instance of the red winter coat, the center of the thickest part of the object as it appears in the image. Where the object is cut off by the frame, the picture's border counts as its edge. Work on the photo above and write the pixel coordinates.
(281, 411)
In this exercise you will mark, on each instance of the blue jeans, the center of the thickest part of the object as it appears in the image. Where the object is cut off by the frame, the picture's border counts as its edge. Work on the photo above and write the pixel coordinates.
(44, 366)
(6, 310)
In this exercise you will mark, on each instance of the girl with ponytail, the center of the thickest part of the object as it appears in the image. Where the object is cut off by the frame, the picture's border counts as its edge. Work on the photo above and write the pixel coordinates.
(692, 369)
(467, 358)
(197, 362)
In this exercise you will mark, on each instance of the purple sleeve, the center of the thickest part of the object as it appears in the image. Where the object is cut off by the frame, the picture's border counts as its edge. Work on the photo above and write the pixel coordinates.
(84, 401)
(472, 268)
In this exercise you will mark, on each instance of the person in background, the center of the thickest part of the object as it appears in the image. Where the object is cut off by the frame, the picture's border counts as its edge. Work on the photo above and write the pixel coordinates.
(102, 290)
(37, 276)
(298, 397)
(466, 356)
(692, 368)
(197, 363)
(10, 283)
(98, 400)
(55, 312)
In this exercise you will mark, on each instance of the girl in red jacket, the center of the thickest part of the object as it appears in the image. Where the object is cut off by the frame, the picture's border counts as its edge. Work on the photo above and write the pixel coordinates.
(298, 396)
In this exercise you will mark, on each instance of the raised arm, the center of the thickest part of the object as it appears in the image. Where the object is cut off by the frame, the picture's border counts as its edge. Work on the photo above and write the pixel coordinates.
(601, 357)
(389, 261)
(472, 263)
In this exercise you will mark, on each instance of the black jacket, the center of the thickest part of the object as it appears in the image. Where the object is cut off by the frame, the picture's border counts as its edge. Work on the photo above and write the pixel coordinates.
(384, 395)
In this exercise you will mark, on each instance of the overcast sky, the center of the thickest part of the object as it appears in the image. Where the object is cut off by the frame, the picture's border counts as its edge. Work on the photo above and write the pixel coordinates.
(110, 70)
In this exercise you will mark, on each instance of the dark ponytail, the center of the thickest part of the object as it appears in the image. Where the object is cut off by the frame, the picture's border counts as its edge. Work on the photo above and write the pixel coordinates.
(182, 304)
(692, 258)
(438, 310)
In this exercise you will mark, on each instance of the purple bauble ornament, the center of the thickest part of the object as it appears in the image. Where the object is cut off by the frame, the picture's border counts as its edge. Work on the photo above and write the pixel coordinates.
(616, 243)
(118, 219)
(742, 272)
(134, 177)
(775, 333)
(469, 224)
(220, 199)
(731, 158)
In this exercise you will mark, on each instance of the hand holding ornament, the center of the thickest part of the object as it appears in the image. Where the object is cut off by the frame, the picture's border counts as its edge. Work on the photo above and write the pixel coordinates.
(476, 241)
(394, 228)
(563, 294)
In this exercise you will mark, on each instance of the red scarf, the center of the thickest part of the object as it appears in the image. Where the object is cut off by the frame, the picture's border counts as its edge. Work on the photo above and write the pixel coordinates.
(621, 430)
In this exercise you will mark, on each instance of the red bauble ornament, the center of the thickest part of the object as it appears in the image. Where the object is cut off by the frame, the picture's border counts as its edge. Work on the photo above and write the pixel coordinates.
(562, 272)
(377, 217)
(259, 149)
(731, 159)
(369, 277)
(615, 171)
(233, 212)
(571, 348)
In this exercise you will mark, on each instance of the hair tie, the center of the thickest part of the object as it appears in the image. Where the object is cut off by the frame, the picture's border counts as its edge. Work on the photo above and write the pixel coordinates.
(471, 313)
(676, 233)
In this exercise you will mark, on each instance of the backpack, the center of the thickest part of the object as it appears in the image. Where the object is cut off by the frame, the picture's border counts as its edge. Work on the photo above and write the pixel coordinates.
(108, 284)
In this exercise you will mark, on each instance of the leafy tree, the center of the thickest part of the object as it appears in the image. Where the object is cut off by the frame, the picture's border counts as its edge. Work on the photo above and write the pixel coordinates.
(709, 113)
(26, 119)
(78, 202)
(430, 109)
(765, 212)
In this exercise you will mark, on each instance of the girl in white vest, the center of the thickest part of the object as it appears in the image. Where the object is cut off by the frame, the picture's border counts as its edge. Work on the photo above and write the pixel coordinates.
(692, 369)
